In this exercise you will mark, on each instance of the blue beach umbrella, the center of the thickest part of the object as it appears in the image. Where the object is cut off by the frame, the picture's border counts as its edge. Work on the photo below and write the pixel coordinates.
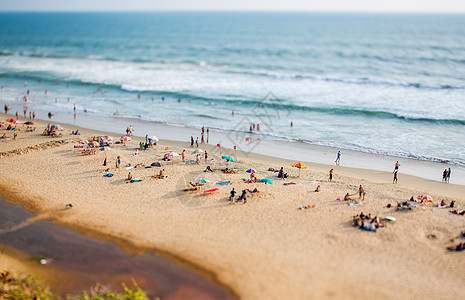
(229, 158)
(200, 180)
(266, 180)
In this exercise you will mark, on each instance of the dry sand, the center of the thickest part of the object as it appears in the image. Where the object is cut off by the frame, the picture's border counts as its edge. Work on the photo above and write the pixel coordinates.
(266, 248)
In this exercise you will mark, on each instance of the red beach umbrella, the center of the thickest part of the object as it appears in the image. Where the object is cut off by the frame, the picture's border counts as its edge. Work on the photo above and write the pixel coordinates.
(11, 120)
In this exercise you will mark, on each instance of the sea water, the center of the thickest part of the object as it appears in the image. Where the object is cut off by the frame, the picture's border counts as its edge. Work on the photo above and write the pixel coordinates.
(391, 84)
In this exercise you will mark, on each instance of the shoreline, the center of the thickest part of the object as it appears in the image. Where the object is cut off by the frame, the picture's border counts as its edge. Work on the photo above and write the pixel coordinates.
(186, 249)
(268, 147)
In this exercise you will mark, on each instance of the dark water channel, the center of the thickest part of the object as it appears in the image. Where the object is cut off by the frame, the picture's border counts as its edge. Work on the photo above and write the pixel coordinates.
(82, 262)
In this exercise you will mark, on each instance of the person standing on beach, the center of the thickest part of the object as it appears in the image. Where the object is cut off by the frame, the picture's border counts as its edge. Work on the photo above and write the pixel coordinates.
(197, 142)
(118, 161)
(206, 156)
(338, 158)
(192, 141)
(183, 154)
(331, 175)
(394, 180)
(33, 115)
(448, 175)
(361, 193)
(444, 175)
(396, 166)
(208, 134)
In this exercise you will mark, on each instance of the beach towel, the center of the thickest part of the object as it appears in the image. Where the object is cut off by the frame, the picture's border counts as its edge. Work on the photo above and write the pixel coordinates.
(131, 167)
(191, 162)
(108, 175)
(289, 183)
(340, 199)
(317, 181)
(307, 206)
(222, 182)
(136, 179)
(139, 165)
(212, 190)
(354, 203)
(366, 229)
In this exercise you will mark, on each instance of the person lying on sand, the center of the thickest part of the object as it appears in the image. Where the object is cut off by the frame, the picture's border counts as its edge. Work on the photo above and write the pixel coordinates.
(307, 206)
(254, 191)
(193, 189)
(228, 171)
(459, 247)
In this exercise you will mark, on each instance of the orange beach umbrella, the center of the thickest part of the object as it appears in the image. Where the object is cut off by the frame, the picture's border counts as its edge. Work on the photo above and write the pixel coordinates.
(299, 165)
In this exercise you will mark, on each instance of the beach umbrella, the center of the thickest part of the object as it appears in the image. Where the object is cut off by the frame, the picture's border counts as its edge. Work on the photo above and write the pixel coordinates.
(425, 198)
(109, 138)
(11, 120)
(157, 164)
(200, 180)
(18, 122)
(172, 154)
(126, 138)
(17, 129)
(28, 123)
(228, 158)
(249, 170)
(299, 165)
(266, 180)
(198, 151)
(94, 144)
(153, 138)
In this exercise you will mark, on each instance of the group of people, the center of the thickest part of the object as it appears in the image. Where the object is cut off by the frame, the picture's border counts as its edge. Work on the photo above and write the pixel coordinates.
(366, 222)
(446, 175)
(361, 194)
(129, 130)
(242, 197)
(254, 127)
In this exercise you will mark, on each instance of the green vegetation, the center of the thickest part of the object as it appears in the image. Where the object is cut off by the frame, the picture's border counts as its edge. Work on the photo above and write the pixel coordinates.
(29, 288)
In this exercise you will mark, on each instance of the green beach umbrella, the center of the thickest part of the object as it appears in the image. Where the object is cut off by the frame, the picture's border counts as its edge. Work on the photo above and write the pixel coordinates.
(198, 151)
(229, 158)
(266, 180)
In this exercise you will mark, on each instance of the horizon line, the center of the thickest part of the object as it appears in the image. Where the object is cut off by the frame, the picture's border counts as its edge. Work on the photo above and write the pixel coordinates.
(239, 11)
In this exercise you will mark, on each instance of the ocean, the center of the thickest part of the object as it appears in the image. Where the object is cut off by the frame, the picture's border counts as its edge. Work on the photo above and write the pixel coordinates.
(390, 84)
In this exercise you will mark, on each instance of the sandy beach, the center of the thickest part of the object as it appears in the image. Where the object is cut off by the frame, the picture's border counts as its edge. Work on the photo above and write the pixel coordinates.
(265, 248)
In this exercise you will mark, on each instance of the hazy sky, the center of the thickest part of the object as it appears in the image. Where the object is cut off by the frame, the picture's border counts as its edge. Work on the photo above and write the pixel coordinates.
(233, 5)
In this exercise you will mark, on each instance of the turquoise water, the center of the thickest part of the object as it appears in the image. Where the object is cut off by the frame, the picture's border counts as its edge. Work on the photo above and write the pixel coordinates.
(377, 83)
